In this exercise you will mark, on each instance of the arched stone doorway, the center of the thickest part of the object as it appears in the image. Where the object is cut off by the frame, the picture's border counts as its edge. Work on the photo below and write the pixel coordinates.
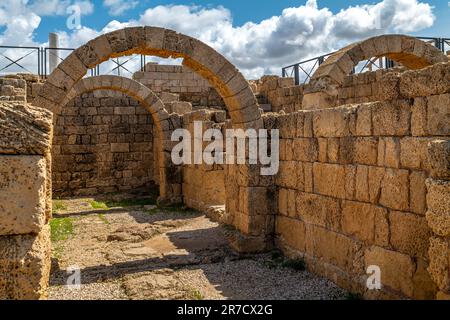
(242, 183)
(410, 52)
(169, 189)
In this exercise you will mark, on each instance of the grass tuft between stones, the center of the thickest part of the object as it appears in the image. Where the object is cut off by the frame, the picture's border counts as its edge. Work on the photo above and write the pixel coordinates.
(61, 228)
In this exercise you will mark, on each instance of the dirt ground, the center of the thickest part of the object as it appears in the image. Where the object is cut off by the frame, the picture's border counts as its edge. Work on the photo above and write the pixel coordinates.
(135, 250)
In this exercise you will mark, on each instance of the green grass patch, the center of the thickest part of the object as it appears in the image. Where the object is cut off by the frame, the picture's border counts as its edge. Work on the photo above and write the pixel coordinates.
(197, 295)
(98, 205)
(58, 206)
(61, 228)
(108, 204)
(102, 217)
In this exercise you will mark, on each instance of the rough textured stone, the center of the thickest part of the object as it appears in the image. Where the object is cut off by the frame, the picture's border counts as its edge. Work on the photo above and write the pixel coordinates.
(22, 194)
(24, 129)
(25, 265)
(397, 269)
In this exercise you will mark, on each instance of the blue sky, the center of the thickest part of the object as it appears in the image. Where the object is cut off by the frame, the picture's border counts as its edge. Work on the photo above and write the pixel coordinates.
(242, 11)
(258, 36)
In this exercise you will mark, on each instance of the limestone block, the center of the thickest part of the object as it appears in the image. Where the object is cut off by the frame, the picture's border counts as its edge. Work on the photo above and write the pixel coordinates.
(336, 122)
(419, 125)
(365, 151)
(438, 196)
(364, 120)
(305, 149)
(438, 114)
(87, 56)
(439, 267)
(25, 265)
(73, 67)
(397, 269)
(439, 222)
(318, 210)
(117, 41)
(283, 201)
(366, 222)
(410, 233)
(417, 192)
(23, 194)
(424, 286)
(395, 189)
(425, 82)
(389, 152)
(439, 159)
(391, 118)
(292, 232)
(334, 248)
(413, 152)
(329, 179)
(24, 129)
(61, 80)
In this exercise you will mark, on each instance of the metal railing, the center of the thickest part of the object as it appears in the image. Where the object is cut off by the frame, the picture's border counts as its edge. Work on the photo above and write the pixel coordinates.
(303, 71)
(35, 60)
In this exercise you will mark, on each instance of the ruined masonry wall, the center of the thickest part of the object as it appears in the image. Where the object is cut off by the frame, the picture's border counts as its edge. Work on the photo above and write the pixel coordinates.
(204, 185)
(25, 201)
(352, 188)
(180, 80)
(103, 142)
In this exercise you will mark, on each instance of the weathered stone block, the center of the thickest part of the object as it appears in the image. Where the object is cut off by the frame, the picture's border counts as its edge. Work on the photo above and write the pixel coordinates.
(329, 179)
(335, 122)
(24, 129)
(334, 248)
(397, 269)
(366, 222)
(395, 189)
(417, 192)
(439, 267)
(25, 265)
(391, 118)
(438, 114)
(439, 159)
(22, 194)
(438, 196)
(318, 210)
(292, 232)
(409, 233)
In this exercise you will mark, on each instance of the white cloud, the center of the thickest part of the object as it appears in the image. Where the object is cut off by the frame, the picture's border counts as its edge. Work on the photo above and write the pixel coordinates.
(259, 48)
(119, 7)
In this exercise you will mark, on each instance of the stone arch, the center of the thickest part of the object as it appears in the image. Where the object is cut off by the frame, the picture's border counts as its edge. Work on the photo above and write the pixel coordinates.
(223, 76)
(408, 51)
(153, 104)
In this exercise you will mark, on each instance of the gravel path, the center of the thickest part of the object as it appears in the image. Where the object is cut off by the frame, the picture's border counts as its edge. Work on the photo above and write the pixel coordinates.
(143, 252)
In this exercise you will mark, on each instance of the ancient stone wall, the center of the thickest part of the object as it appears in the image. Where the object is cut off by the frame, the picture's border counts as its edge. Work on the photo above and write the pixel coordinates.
(352, 186)
(25, 200)
(438, 214)
(103, 142)
(180, 80)
(203, 184)
(280, 93)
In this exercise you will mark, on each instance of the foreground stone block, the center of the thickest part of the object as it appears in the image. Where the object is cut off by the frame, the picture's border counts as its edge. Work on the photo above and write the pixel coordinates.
(439, 267)
(24, 129)
(25, 265)
(22, 194)
(397, 269)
